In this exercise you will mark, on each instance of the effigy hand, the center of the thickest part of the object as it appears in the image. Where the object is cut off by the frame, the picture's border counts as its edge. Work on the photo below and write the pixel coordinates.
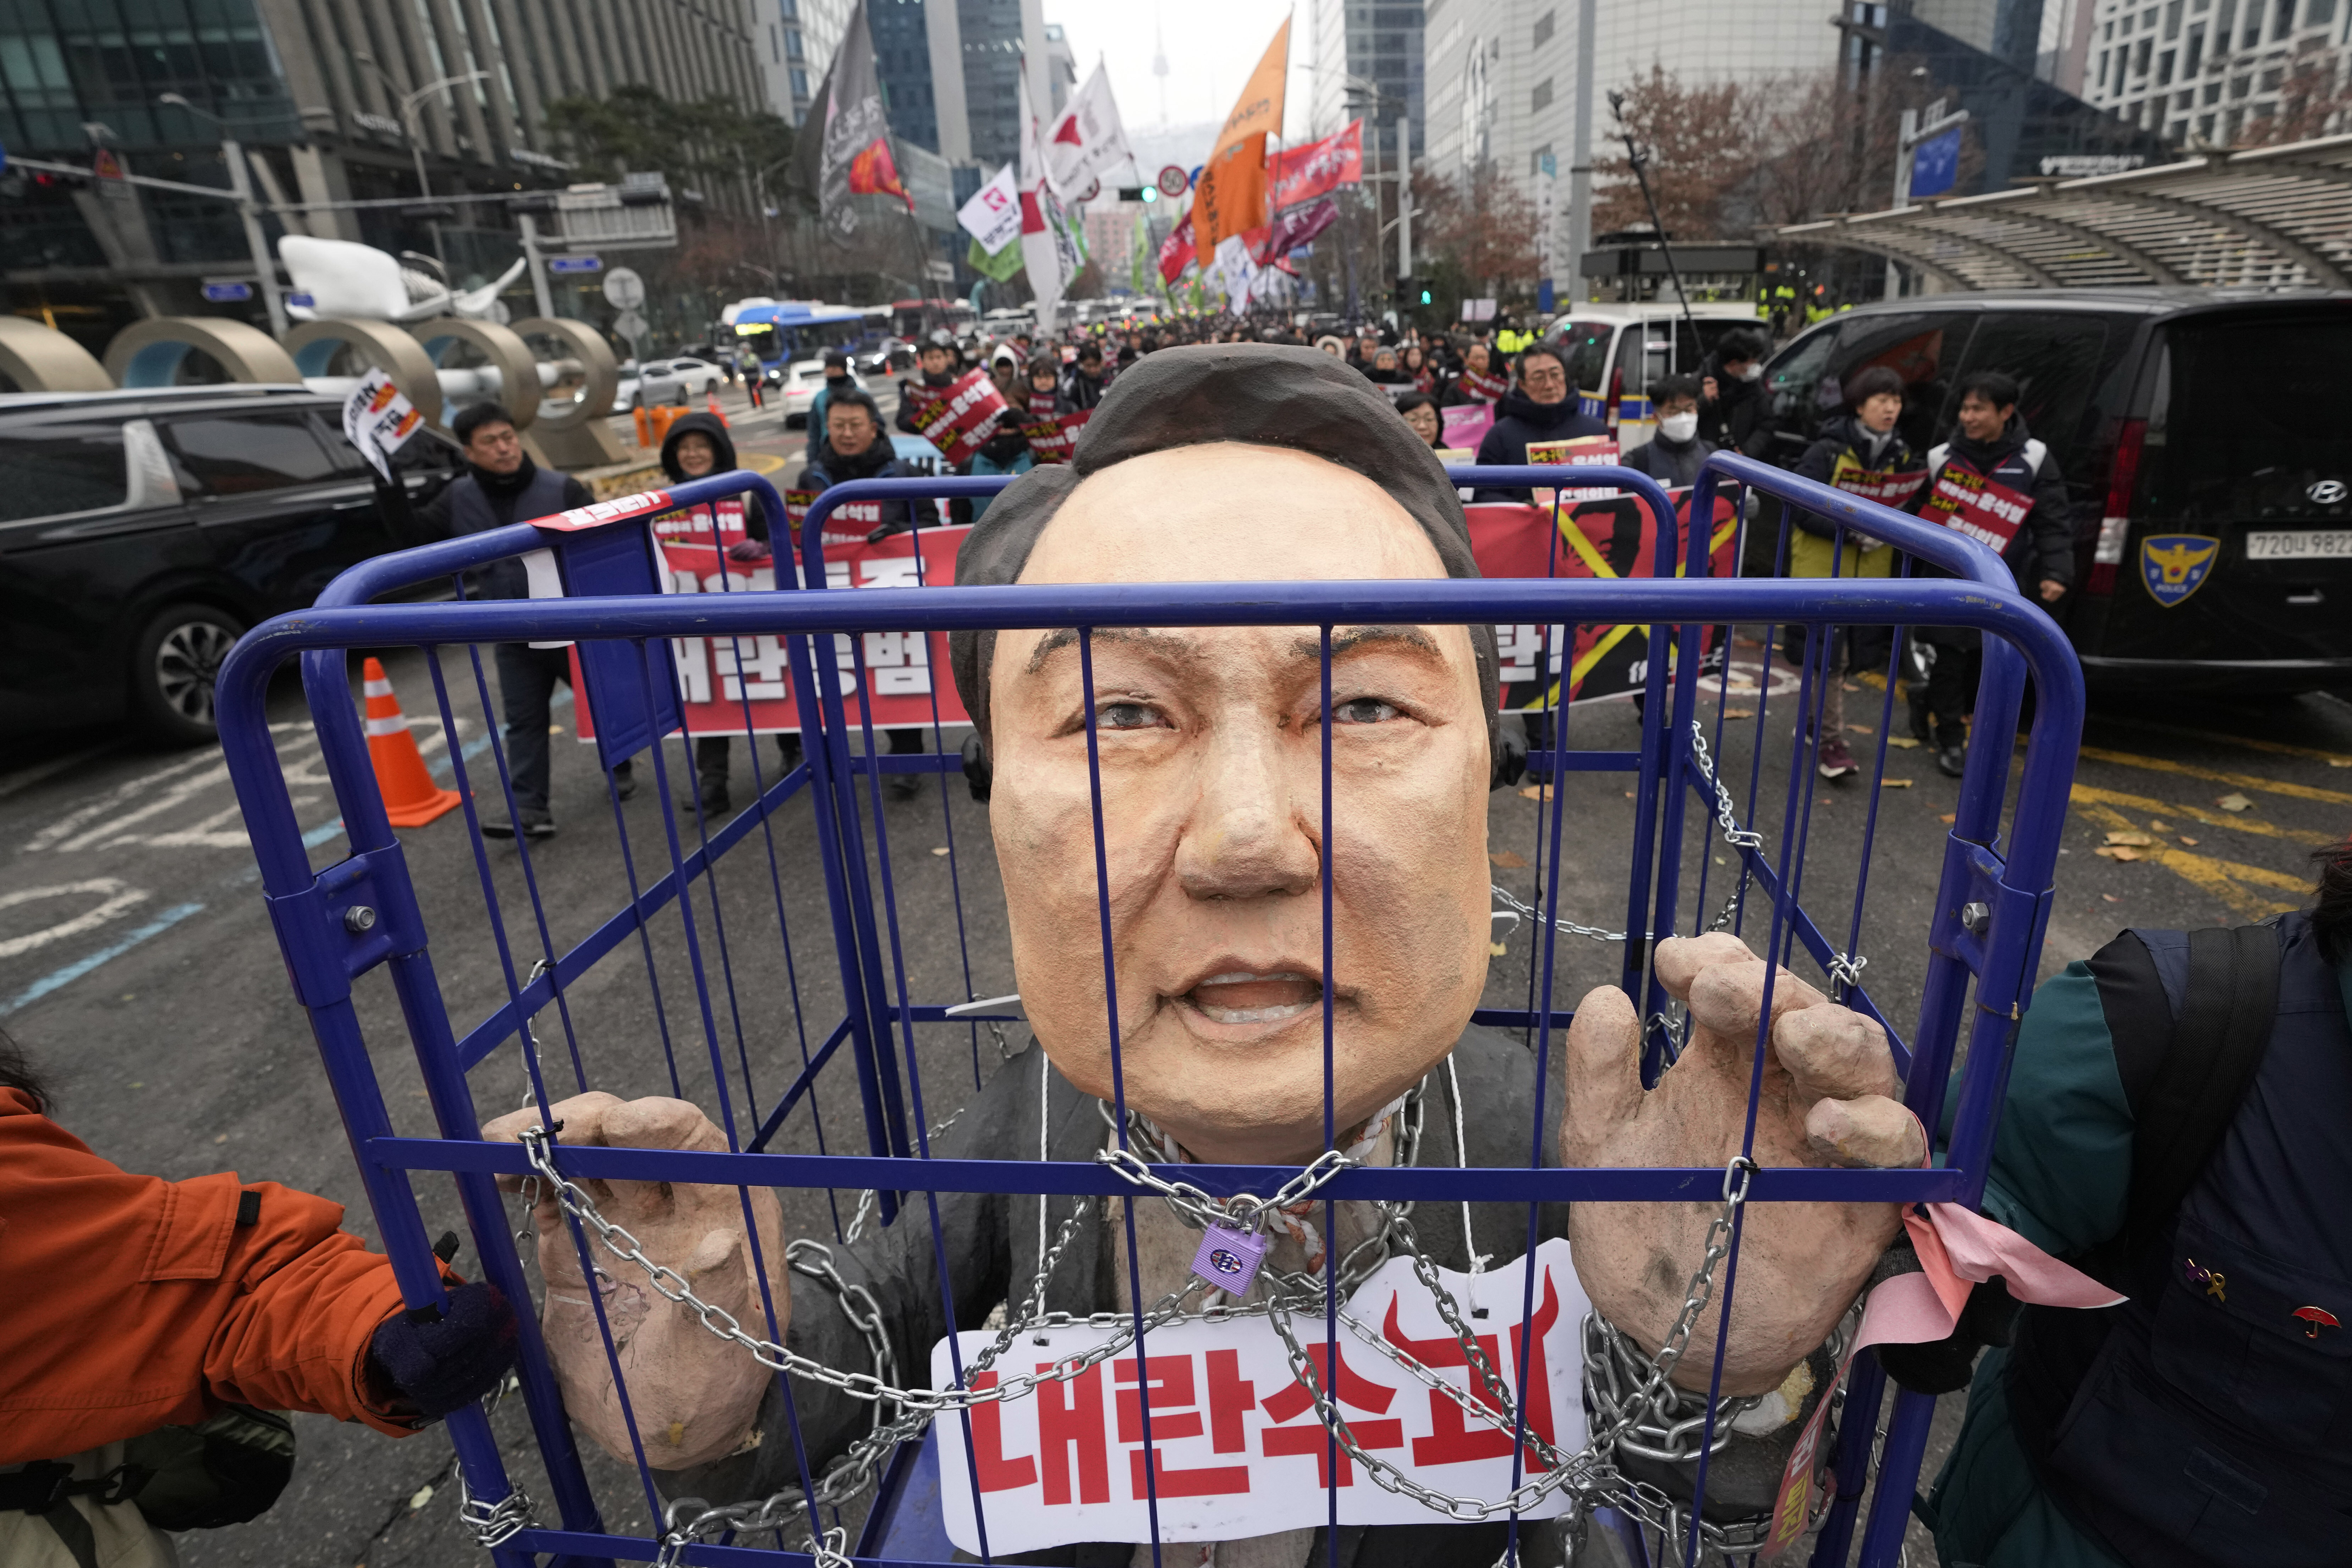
(1828, 1084)
(694, 1397)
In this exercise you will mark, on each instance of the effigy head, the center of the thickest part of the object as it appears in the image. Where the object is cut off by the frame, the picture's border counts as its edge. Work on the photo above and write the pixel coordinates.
(1239, 463)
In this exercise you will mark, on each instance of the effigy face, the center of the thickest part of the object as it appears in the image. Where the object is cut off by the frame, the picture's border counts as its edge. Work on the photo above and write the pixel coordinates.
(1210, 746)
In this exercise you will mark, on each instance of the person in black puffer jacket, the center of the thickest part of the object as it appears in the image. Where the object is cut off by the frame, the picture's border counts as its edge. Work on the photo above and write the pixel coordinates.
(1990, 448)
(1731, 388)
(856, 449)
(1541, 407)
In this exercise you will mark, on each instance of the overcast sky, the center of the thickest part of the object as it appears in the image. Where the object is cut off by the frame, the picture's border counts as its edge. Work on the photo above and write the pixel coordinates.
(1212, 46)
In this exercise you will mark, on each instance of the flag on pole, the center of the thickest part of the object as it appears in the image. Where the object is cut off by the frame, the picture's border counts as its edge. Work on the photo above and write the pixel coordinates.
(1302, 173)
(1047, 249)
(1230, 196)
(1176, 250)
(1086, 139)
(992, 217)
(849, 154)
(998, 265)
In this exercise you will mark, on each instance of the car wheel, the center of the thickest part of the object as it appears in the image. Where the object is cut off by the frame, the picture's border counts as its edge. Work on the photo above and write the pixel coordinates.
(175, 661)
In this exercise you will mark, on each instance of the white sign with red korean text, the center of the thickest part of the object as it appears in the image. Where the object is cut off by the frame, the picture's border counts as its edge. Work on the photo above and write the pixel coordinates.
(1236, 1449)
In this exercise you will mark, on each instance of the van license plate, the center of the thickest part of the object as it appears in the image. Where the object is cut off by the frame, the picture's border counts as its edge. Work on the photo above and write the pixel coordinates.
(2301, 544)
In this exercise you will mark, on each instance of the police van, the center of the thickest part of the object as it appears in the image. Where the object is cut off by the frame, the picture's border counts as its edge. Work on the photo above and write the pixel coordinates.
(1614, 351)
(2203, 438)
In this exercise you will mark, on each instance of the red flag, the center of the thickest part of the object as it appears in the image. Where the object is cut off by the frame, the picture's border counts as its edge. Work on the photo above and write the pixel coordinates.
(1176, 250)
(1302, 173)
(872, 173)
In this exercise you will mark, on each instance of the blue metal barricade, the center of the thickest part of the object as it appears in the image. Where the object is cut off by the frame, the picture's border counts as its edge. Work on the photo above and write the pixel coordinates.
(341, 923)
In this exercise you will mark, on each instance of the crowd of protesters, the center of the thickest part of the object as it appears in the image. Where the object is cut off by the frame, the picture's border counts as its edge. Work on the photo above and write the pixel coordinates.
(1518, 387)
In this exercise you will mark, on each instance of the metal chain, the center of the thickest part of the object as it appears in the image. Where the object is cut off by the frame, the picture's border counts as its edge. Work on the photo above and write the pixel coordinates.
(1590, 1471)
(493, 1524)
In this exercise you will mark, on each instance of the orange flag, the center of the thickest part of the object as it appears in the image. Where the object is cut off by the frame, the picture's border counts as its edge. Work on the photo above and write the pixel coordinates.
(1231, 196)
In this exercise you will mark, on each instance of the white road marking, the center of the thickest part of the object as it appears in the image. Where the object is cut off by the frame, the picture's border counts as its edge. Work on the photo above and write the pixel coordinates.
(209, 834)
(116, 897)
(121, 795)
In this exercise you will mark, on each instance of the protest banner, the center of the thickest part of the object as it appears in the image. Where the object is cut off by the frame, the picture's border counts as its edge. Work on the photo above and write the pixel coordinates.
(1544, 666)
(1576, 451)
(1485, 388)
(1969, 502)
(1888, 487)
(960, 417)
(1466, 424)
(378, 420)
(1237, 1450)
(905, 679)
(1052, 440)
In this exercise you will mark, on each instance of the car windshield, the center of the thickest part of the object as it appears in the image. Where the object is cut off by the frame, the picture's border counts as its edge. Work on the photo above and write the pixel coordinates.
(2215, 452)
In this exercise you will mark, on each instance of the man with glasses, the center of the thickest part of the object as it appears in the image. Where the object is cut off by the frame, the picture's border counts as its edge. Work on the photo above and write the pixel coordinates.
(1538, 408)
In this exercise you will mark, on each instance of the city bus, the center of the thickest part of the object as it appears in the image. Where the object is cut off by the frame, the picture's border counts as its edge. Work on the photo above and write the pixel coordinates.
(782, 331)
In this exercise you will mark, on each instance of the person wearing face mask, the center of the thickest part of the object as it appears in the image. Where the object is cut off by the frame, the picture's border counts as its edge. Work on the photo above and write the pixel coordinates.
(1673, 455)
(698, 446)
(1542, 408)
(1863, 454)
(1730, 404)
(1006, 451)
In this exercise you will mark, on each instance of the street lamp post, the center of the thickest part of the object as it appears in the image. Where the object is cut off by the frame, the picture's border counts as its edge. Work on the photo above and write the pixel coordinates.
(1365, 91)
(240, 182)
(410, 103)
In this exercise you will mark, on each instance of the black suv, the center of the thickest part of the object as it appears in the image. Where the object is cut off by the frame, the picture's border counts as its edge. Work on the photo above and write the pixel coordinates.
(2203, 440)
(141, 532)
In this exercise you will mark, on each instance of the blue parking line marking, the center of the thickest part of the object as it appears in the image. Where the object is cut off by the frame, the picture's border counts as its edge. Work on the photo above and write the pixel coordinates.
(82, 966)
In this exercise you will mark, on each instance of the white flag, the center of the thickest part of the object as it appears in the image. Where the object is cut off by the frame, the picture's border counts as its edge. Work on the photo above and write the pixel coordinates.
(1045, 249)
(1086, 139)
(1239, 271)
(992, 217)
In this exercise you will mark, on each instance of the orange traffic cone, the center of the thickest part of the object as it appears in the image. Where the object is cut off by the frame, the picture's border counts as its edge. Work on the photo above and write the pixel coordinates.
(716, 412)
(410, 800)
(644, 427)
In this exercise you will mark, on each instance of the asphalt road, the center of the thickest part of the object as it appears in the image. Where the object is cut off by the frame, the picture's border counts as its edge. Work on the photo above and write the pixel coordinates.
(139, 968)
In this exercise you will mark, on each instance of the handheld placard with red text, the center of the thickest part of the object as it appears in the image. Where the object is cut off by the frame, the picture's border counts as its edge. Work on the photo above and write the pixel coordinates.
(1237, 1450)
(1966, 501)
(1888, 487)
(1052, 440)
(960, 417)
(1579, 452)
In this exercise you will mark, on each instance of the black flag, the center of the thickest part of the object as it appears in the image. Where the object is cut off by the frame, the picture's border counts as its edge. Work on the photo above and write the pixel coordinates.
(844, 144)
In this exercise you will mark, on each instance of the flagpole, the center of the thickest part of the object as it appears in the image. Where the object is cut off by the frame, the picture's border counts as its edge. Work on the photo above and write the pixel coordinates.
(922, 258)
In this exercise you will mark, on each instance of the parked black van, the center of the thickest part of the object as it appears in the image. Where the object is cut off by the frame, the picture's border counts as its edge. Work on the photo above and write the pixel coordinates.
(141, 532)
(2203, 438)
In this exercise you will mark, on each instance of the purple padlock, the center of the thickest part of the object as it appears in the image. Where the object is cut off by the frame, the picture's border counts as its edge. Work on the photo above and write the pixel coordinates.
(1229, 1260)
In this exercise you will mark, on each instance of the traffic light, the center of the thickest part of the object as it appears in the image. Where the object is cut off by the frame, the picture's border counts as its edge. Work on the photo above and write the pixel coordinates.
(1145, 193)
(1412, 291)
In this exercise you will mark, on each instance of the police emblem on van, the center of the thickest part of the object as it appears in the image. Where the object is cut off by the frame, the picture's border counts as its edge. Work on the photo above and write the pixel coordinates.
(2175, 565)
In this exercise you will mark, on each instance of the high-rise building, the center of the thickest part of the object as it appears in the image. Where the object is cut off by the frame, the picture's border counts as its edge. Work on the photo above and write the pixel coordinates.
(1368, 62)
(2216, 69)
(325, 97)
(1502, 74)
(796, 39)
(1061, 70)
(951, 74)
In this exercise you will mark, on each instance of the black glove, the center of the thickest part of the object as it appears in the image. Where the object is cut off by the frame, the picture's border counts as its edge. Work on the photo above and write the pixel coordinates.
(442, 1359)
(1945, 1365)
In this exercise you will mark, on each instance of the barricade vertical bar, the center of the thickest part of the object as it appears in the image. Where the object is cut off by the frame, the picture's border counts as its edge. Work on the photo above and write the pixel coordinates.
(1906, 1442)
(1330, 1131)
(885, 1112)
(1118, 1078)
(1857, 1427)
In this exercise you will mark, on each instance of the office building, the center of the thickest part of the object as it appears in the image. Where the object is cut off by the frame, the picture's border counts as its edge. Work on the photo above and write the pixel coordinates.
(2220, 70)
(951, 74)
(324, 95)
(1502, 74)
(1367, 65)
(796, 39)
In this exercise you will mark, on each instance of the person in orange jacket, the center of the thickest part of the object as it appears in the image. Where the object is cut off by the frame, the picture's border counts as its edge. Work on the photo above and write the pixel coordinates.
(138, 1305)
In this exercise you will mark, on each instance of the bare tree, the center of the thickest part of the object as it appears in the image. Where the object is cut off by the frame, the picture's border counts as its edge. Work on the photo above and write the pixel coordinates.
(2315, 100)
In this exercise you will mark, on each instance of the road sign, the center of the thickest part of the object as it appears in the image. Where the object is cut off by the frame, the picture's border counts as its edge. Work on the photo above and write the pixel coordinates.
(1173, 182)
(623, 289)
(1094, 189)
(575, 264)
(226, 293)
(631, 325)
